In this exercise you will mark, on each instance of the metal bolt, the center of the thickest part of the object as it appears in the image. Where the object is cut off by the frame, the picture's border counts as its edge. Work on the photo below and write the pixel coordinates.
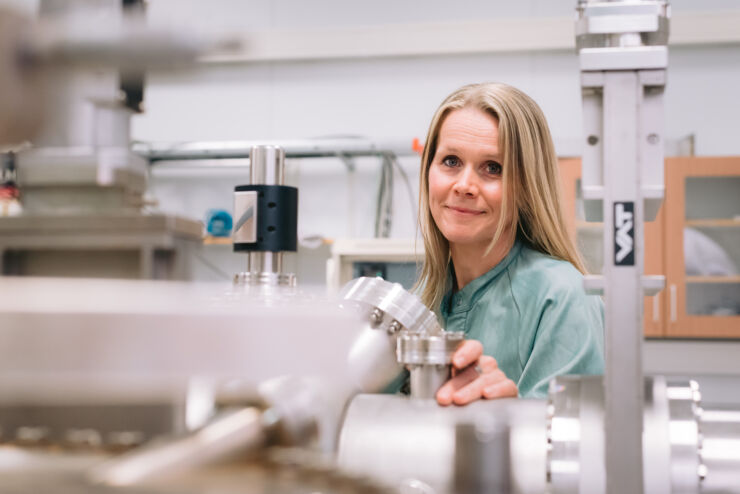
(592, 140)
(32, 434)
(394, 327)
(653, 138)
(376, 317)
(84, 437)
(126, 438)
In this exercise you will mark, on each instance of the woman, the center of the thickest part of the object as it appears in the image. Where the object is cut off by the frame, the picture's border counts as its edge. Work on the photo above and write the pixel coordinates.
(499, 263)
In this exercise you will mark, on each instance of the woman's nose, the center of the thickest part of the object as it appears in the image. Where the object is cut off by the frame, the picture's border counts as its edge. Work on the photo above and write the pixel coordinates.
(466, 183)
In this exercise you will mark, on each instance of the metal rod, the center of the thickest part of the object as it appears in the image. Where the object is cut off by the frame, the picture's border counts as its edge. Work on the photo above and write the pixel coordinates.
(308, 148)
(237, 432)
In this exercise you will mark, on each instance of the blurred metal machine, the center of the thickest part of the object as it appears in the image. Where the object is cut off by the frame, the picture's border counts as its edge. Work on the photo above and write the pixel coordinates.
(399, 324)
(514, 446)
(71, 82)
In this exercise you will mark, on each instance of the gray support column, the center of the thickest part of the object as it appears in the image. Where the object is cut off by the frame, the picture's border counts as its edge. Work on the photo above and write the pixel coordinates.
(623, 268)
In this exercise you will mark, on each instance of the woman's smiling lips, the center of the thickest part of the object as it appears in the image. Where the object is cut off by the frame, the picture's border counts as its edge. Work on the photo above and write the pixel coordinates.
(465, 211)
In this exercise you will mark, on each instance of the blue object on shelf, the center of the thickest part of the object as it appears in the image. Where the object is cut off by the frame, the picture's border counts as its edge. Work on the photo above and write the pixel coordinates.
(218, 222)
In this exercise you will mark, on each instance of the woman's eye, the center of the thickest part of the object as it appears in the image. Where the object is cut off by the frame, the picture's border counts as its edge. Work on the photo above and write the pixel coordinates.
(493, 168)
(451, 161)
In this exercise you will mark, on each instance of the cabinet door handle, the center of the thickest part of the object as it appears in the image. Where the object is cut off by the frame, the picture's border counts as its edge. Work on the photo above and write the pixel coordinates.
(673, 303)
(656, 307)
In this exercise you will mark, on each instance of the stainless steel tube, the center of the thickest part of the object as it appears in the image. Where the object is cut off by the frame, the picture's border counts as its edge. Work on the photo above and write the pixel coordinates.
(425, 380)
(721, 451)
(267, 165)
(265, 262)
(237, 432)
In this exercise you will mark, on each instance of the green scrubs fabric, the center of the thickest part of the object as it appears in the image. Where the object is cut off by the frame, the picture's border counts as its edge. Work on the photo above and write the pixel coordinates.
(533, 316)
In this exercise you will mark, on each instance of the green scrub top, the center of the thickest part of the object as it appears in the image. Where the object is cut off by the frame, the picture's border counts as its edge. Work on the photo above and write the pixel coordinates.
(532, 315)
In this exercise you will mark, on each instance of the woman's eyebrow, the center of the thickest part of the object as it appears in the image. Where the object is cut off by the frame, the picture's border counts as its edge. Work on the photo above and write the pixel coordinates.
(457, 151)
(448, 149)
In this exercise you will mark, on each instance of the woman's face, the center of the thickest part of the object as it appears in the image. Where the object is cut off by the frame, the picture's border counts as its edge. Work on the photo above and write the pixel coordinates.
(465, 182)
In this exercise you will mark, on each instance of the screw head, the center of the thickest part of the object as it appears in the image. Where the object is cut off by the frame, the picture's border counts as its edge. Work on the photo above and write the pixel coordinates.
(592, 140)
(394, 327)
(376, 317)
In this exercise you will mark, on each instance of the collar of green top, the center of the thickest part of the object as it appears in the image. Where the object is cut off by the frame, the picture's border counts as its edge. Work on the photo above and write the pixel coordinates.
(462, 300)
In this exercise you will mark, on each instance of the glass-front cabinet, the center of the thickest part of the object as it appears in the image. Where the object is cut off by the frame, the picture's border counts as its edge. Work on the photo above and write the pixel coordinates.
(694, 242)
(703, 247)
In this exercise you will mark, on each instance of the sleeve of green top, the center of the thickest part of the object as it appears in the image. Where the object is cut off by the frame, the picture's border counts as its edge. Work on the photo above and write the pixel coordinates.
(569, 340)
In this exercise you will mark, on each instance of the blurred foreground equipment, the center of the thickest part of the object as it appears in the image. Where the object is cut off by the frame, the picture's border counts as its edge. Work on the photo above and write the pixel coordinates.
(123, 386)
(70, 83)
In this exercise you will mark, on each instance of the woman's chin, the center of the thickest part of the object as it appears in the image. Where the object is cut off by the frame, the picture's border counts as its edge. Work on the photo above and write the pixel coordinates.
(467, 240)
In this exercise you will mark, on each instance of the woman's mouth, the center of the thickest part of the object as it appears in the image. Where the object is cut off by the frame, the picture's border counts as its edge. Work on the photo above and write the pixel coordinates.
(465, 211)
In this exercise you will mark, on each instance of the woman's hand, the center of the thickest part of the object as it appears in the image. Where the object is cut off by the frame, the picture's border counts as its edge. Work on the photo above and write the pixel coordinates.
(474, 376)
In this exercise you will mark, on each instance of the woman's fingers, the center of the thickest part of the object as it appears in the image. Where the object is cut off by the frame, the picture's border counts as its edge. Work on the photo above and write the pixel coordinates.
(475, 390)
(468, 353)
(487, 363)
(502, 389)
(460, 380)
(475, 376)
(474, 382)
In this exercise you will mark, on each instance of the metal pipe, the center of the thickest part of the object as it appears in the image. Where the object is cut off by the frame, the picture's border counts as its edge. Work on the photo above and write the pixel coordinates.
(425, 380)
(721, 451)
(267, 165)
(308, 148)
(237, 432)
(265, 262)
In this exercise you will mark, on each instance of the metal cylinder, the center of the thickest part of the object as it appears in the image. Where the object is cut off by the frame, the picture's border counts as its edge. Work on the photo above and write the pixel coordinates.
(399, 317)
(556, 446)
(428, 358)
(420, 446)
(425, 380)
(262, 227)
(721, 451)
(371, 363)
(671, 443)
(265, 262)
(267, 165)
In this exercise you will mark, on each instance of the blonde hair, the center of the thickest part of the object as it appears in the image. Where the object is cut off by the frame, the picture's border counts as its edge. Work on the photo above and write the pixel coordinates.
(530, 168)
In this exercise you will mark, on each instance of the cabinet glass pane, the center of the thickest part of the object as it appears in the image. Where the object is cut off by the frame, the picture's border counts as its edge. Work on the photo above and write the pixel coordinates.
(713, 299)
(711, 250)
(711, 242)
(713, 198)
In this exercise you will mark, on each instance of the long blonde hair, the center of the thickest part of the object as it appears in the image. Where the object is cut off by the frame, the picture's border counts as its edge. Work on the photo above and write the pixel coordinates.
(530, 170)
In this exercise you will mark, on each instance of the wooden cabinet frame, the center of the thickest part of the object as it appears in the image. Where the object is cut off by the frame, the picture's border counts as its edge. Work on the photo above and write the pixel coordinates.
(679, 323)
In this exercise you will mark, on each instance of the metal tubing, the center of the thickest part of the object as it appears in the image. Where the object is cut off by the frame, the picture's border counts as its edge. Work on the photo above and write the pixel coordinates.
(241, 431)
(721, 451)
(418, 444)
(425, 380)
(265, 262)
(267, 165)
